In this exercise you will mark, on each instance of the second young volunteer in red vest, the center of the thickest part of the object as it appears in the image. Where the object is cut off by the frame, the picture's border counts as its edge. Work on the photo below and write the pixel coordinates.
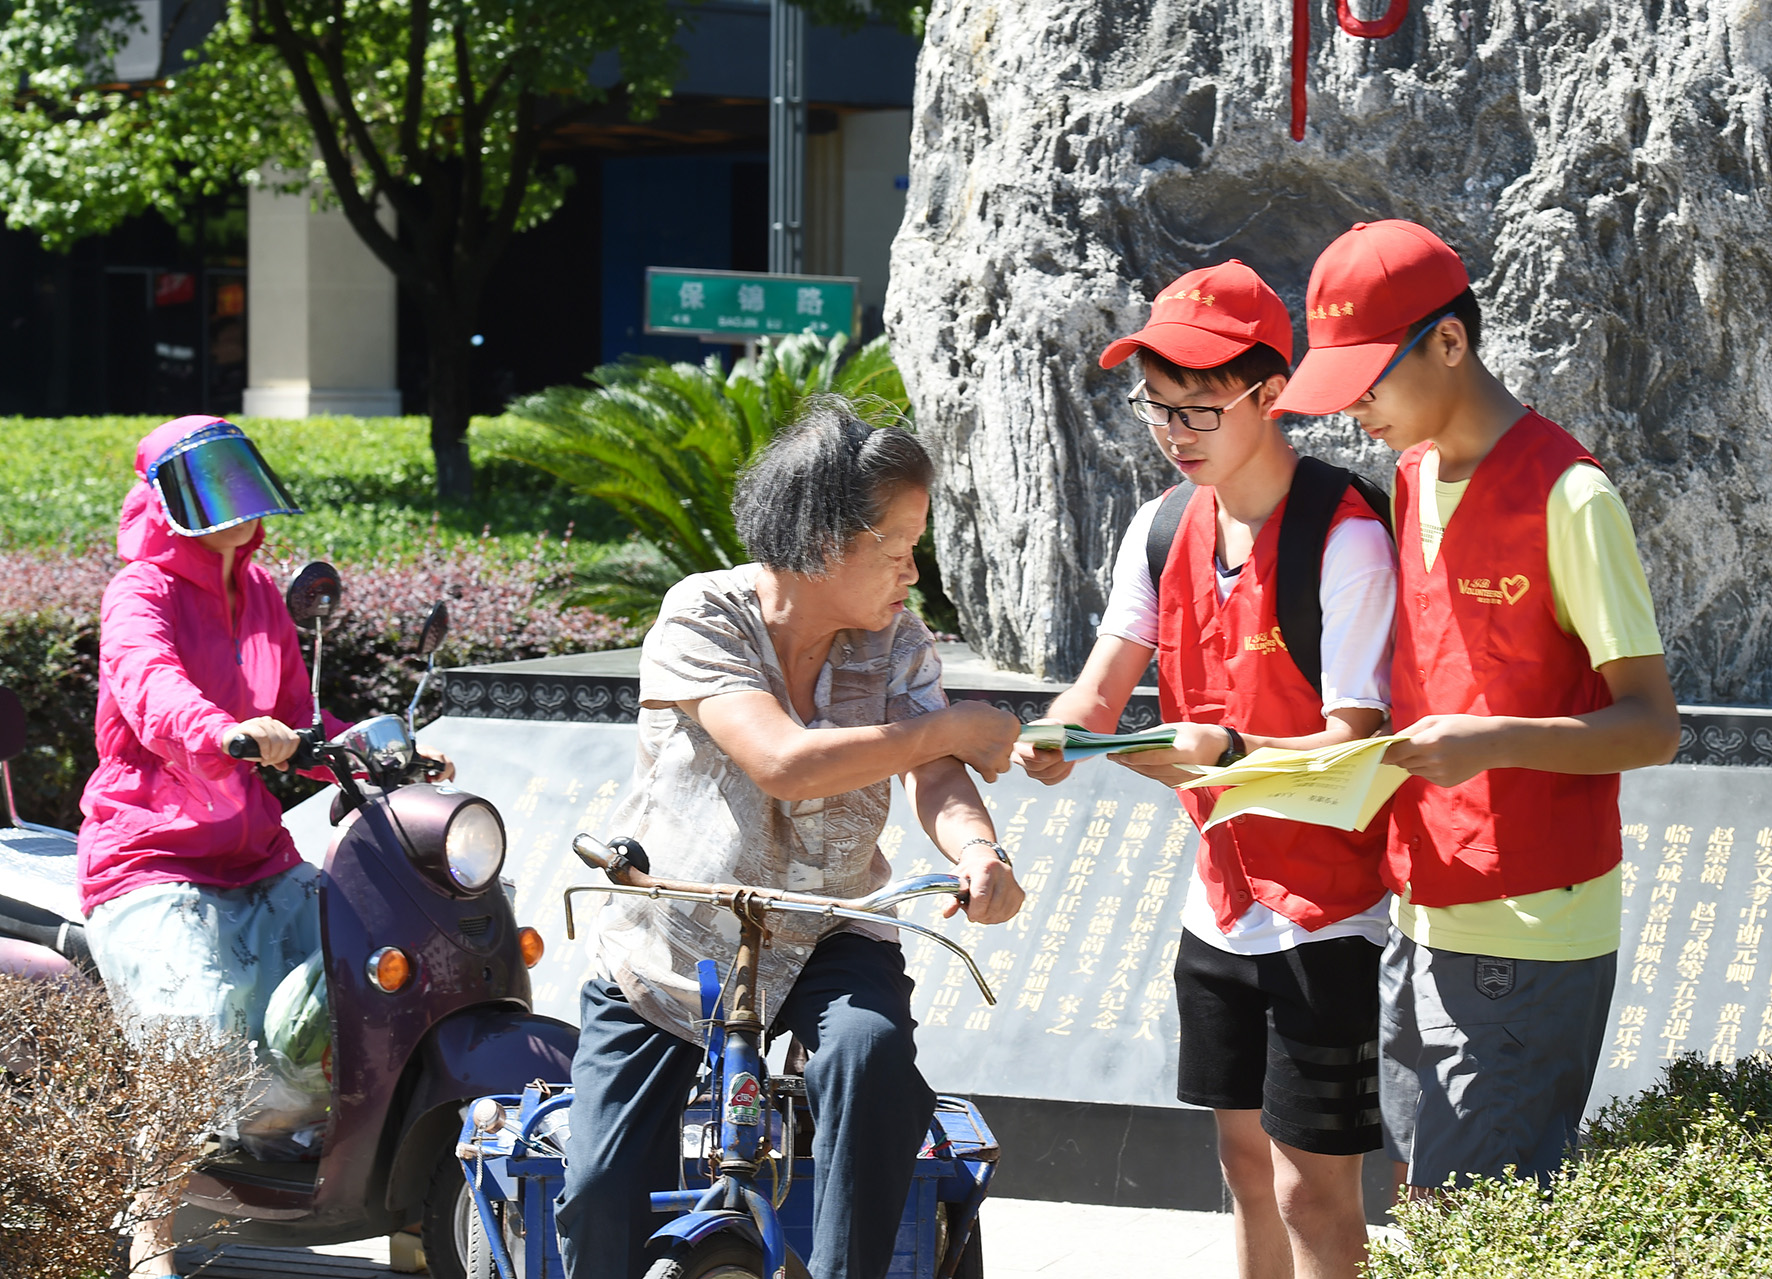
(1528, 673)
(1277, 973)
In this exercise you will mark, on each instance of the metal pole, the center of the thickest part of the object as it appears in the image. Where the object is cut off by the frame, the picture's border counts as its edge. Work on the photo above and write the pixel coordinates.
(787, 137)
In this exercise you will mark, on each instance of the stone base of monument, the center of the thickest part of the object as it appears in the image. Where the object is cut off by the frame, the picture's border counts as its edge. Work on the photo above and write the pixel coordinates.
(1075, 1065)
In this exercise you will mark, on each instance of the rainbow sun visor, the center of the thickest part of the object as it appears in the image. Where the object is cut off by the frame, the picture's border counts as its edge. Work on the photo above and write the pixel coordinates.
(214, 479)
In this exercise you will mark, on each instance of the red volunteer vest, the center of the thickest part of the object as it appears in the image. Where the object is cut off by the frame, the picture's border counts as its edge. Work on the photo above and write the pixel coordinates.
(1478, 634)
(1226, 663)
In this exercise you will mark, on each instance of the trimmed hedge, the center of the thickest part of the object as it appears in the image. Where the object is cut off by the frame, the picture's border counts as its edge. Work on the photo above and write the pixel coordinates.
(499, 611)
(1675, 1182)
(367, 484)
(97, 1124)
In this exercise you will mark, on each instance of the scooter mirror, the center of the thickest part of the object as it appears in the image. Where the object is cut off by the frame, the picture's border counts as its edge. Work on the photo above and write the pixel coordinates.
(314, 593)
(12, 725)
(435, 630)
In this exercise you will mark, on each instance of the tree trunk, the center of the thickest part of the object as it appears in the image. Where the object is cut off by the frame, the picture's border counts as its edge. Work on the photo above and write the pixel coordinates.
(449, 405)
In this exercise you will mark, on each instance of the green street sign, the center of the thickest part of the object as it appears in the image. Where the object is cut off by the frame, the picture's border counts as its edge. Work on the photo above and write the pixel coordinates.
(741, 306)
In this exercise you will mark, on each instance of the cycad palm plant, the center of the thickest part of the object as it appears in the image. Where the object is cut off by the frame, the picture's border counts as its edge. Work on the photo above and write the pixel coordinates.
(664, 443)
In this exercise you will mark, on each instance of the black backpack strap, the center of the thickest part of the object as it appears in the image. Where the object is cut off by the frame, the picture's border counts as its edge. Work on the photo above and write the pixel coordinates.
(1162, 536)
(1316, 492)
(1376, 498)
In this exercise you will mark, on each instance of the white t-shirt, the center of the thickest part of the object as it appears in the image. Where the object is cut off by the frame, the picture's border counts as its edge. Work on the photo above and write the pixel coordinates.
(1359, 600)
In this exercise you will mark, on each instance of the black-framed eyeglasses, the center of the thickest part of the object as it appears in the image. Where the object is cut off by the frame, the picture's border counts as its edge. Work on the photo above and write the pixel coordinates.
(1398, 357)
(1156, 413)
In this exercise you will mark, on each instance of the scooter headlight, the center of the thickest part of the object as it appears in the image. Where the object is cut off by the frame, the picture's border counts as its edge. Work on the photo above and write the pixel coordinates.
(474, 847)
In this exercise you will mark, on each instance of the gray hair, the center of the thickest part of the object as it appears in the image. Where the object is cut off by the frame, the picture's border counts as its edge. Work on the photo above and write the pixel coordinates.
(821, 482)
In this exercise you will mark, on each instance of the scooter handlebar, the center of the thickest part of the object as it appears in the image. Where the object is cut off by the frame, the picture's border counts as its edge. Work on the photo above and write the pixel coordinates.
(307, 755)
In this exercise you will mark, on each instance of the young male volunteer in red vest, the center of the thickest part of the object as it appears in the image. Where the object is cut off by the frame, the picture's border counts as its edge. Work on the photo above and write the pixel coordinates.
(1283, 923)
(1528, 673)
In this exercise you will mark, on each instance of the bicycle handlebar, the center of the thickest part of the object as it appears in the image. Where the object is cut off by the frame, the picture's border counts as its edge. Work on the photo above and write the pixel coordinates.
(627, 879)
(624, 862)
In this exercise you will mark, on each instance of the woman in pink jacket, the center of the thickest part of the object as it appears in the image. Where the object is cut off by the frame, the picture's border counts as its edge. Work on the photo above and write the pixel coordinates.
(198, 904)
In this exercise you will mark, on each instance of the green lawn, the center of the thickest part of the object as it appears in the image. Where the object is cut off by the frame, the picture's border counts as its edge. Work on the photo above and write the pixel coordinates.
(366, 484)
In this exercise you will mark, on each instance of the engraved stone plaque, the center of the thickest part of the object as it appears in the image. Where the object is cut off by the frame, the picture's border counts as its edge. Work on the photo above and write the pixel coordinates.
(1086, 1003)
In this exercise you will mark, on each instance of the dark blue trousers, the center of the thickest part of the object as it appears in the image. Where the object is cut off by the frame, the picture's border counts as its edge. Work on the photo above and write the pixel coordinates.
(851, 1007)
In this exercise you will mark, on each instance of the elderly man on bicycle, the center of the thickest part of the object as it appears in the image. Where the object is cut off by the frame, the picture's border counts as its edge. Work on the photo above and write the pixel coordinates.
(778, 699)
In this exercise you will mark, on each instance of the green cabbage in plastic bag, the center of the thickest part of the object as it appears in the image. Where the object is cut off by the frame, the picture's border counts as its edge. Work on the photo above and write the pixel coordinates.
(298, 1028)
(288, 1118)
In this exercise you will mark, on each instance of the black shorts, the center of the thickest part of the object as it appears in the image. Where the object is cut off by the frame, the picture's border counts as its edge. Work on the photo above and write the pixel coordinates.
(1292, 1034)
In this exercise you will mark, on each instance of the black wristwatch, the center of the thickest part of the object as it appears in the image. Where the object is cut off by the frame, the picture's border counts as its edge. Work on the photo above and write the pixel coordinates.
(1001, 852)
(1234, 751)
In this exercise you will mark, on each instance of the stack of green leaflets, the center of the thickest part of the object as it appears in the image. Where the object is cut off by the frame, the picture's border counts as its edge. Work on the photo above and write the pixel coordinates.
(1078, 742)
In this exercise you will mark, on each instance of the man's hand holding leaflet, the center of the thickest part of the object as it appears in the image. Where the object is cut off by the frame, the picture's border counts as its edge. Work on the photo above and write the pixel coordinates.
(1341, 786)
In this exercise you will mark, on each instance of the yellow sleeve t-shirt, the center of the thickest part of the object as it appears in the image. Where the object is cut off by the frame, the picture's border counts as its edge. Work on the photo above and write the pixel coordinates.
(1601, 597)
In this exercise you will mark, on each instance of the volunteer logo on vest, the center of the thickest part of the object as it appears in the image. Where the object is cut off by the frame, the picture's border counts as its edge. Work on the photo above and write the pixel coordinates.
(1265, 643)
(1495, 977)
(1508, 590)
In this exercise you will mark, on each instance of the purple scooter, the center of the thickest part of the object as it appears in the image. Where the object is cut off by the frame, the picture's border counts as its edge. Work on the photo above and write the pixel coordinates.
(427, 972)
(40, 932)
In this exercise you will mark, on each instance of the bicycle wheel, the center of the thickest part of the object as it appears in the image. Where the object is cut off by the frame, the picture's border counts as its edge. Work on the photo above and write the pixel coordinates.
(721, 1257)
(454, 1238)
(971, 1257)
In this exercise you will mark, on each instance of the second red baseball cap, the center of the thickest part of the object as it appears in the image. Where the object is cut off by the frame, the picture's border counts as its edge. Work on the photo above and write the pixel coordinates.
(1210, 316)
(1366, 289)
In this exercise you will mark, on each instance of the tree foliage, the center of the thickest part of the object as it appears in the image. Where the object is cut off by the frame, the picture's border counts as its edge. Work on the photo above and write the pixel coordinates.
(427, 121)
(364, 101)
(436, 112)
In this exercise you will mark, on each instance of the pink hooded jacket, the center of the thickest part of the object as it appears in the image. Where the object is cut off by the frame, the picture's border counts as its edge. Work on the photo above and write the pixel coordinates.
(167, 803)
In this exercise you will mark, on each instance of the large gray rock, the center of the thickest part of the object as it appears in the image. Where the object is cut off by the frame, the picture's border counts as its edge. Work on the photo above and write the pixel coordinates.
(1603, 167)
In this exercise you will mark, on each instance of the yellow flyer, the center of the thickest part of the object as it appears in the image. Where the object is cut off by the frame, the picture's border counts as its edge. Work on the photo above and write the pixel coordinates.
(1342, 786)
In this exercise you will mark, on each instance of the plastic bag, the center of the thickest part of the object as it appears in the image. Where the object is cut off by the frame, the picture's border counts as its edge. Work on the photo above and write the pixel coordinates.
(288, 1120)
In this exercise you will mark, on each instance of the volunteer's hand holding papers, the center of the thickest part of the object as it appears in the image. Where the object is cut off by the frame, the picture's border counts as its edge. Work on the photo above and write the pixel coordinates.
(1194, 748)
(1342, 786)
(1449, 749)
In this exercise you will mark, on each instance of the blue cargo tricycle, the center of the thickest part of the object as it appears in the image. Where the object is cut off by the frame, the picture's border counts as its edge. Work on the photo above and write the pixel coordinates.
(743, 1201)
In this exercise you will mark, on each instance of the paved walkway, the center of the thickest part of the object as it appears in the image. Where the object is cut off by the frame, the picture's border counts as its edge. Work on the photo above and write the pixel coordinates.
(1022, 1238)
(1025, 1237)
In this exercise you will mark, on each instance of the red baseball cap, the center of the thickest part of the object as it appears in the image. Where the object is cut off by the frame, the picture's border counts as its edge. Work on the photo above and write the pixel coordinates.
(1366, 289)
(1210, 316)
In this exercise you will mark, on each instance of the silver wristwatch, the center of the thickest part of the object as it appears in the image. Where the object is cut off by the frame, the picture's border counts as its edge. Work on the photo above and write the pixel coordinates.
(1001, 852)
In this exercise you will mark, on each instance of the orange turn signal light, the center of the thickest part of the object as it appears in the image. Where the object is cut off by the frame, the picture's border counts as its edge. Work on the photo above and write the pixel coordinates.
(389, 968)
(530, 943)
